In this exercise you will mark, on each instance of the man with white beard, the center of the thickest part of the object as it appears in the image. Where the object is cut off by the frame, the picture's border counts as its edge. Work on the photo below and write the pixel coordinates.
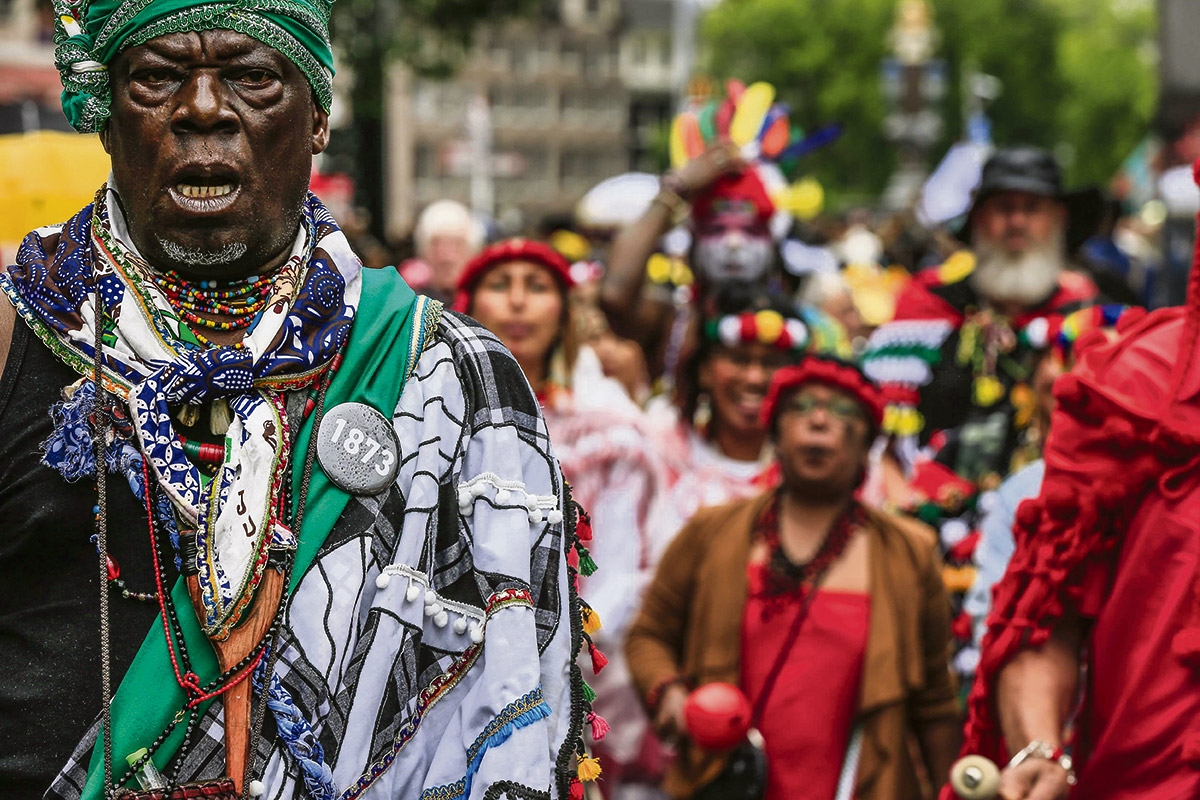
(958, 357)
(957, 363)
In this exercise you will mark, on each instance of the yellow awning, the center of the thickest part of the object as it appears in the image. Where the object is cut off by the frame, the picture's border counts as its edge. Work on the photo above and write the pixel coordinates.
(45, 177)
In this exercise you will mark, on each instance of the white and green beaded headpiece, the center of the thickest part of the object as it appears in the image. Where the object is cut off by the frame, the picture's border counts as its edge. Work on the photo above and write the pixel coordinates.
(89, 35)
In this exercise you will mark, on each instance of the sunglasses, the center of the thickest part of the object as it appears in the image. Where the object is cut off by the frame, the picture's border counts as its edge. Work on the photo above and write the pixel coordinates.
(841, 408)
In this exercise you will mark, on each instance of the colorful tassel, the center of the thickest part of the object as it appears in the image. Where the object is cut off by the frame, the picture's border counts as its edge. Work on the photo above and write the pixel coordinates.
(589, 694)
(583, 524)
(724, 116)
(576, 792)
(600, 726)
(774, 136)
(817, 139)
(589, 768)
(693, 139)
(591, 620)
(706, 118)
(734, 89)
(587, 566)
(599, 660)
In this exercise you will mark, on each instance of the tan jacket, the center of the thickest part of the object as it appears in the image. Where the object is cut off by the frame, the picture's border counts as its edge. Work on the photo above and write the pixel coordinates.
(690, 625)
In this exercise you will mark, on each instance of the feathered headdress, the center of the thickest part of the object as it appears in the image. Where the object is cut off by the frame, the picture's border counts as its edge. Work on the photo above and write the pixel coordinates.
(749, 117)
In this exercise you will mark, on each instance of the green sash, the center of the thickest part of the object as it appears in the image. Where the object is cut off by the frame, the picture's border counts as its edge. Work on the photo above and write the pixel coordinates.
(385, 342)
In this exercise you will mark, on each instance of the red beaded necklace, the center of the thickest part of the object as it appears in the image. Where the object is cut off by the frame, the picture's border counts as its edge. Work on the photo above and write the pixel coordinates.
(783, 576)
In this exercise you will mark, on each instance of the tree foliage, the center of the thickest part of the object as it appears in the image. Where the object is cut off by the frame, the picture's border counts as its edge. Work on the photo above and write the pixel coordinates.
(1078, 75)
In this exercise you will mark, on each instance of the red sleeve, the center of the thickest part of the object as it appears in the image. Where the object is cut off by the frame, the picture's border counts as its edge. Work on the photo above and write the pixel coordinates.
(1101, 455)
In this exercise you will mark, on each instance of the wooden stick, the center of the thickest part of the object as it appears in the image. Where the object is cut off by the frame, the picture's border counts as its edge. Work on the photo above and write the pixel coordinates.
(242, 640)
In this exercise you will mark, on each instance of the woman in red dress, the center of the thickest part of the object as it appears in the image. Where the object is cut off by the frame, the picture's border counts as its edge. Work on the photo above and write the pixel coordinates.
(831, 617)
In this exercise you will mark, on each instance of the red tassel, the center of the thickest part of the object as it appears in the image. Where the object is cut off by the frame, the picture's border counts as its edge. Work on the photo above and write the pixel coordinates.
(965, 549)
(961, 627)
(583, 525)
(576, 789)
(599, 660)
(599, 725)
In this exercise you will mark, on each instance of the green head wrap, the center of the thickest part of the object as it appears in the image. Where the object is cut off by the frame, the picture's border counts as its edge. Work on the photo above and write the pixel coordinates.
(89, 35)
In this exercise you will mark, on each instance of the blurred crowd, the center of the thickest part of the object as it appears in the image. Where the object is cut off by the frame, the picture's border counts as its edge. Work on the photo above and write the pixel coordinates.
(778, 417)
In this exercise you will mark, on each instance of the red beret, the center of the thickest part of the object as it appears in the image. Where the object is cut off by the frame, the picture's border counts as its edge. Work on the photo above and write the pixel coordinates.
(830, 372)
(502, 253)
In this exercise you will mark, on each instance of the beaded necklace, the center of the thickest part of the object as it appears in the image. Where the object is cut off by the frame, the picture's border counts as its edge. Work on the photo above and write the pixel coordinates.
(784, 577)
(265, 650)
(239, 300)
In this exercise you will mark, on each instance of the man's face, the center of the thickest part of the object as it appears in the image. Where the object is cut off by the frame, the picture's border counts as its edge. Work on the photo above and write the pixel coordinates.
(1018, 222)
(822, 441)
(1018, 240)
(212, 138)
(733, 245)
(447, 254)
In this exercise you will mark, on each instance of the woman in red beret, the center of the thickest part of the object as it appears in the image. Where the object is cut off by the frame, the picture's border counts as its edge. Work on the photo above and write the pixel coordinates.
(829, 616)
(520, 290)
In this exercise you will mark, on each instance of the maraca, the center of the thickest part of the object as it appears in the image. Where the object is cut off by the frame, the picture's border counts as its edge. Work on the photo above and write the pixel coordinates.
(975, 778)
(717, 716)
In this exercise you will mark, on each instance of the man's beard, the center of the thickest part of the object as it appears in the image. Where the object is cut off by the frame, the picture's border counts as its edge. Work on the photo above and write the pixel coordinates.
(195, 257)
(1026, 279)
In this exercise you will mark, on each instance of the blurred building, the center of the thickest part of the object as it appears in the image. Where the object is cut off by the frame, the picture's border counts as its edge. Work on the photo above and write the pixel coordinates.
(29, 85)
(561, 101)
(580, 92)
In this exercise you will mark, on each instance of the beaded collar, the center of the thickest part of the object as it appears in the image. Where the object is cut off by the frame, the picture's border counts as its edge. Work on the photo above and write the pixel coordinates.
(784, 579)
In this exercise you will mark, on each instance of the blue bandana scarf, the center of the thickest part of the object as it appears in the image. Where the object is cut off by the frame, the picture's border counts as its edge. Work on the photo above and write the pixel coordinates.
(149, 366)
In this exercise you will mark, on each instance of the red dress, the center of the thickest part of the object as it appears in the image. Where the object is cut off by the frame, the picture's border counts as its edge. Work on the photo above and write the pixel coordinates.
(809, 715)
(1114, 535)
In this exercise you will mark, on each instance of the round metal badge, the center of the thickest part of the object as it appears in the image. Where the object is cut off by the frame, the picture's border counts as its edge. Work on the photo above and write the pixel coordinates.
(358, 449)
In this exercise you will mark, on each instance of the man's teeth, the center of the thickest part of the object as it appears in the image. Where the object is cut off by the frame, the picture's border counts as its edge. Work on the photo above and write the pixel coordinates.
(192, 190)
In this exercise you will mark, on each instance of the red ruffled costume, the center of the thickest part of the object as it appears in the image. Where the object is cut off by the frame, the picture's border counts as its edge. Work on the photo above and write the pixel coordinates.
(1115, 536)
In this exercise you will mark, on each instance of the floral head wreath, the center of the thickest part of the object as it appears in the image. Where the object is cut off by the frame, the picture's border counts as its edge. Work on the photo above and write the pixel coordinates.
(749, 117)
(767, 327)
(830, 372)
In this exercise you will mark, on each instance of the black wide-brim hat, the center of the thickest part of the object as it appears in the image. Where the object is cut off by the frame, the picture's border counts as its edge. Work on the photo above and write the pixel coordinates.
(1036, 171)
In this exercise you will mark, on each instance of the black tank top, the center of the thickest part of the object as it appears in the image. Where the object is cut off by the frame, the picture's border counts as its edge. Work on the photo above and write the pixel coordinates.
(49, 576)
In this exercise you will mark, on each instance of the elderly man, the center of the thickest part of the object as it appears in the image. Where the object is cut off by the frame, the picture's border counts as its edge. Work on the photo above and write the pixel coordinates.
(958, 358)
(830, 617)
(958, 362)
(273, 525)
(446, 237)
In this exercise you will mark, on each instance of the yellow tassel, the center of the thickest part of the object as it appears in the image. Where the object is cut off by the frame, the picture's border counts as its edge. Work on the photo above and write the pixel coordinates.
(591, 621)
(589, 768)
